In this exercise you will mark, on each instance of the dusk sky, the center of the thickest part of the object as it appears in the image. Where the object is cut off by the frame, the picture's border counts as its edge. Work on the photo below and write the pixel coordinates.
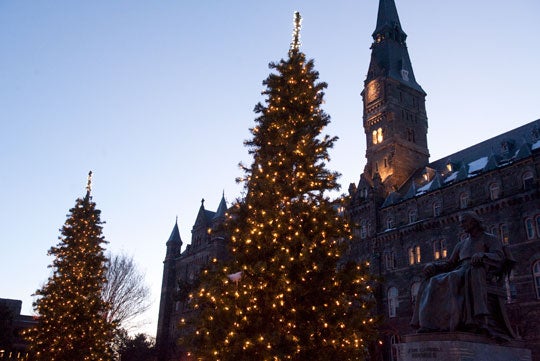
(156, 98)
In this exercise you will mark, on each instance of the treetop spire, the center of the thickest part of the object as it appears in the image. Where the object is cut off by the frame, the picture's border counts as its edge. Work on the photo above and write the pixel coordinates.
(89, 184)
(295, 43)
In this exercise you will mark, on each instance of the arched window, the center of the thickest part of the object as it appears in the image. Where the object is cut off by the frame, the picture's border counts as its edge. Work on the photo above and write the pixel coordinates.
(390, 260)
(392, 301)
(463, 200)
(414, 255)
(436, 209)
(529, 228)
(389, 222)
(363, 229)
(494, 191)
(439, 249)
(536, 276)
(413, 215)
(527, 180)
(377, 136)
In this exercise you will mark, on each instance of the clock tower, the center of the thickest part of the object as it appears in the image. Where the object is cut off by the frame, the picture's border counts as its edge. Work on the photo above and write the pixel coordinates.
(395, 120)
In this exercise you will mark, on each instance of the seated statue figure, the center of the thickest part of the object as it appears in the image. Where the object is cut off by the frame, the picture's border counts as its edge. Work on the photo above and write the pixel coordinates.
(454, 295)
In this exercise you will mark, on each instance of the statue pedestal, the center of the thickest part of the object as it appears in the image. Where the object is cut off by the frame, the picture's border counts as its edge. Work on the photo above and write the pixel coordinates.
(457, 346)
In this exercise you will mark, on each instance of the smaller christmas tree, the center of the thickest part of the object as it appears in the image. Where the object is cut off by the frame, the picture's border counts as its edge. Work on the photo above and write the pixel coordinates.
(71, 313)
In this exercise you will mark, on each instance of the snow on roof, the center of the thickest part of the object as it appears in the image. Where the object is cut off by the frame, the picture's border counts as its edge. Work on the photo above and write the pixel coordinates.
(536, 145)
(451, 177)
(477, 165)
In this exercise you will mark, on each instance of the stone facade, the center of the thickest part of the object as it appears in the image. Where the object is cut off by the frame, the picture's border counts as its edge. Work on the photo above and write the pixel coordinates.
(180, 272)
(405, 209)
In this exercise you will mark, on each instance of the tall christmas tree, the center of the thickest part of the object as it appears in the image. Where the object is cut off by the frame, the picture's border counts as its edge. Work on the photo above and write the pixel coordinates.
(71, 313)
(288, 294)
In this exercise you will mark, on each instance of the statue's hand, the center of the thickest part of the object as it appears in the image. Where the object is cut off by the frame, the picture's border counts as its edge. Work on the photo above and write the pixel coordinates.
(477, 259)
(429, 270)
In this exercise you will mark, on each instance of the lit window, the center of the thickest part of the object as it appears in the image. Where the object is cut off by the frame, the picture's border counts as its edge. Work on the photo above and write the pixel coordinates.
(463, 200)
(504, 233)
(536, 276)
(436, 209)
(392, 301)
(414, 255)
(439, 249)
(494, 191)
(412, 215)
(529, 227)
(528, 180)
(377, 136)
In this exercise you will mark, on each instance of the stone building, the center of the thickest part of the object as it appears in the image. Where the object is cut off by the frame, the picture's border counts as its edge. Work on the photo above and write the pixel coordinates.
(405, 209)
(180, 271)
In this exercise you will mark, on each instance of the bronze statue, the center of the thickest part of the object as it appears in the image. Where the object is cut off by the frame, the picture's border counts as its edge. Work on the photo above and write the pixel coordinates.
(455, 296)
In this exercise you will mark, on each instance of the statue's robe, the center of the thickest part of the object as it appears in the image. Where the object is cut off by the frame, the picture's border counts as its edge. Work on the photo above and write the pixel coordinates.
(456, 297)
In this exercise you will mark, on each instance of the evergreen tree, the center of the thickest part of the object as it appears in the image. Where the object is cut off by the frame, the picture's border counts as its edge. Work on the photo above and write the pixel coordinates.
(71, 313)
(287, 294)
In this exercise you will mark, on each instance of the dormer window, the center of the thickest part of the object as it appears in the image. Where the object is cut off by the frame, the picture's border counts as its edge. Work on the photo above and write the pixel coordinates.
(494, 191)
(405, 74)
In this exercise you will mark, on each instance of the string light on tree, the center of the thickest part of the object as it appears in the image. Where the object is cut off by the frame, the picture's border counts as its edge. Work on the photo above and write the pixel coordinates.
(71, 322)
(293, 296)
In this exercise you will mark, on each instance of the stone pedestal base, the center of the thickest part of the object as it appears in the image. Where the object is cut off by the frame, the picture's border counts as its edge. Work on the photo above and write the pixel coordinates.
(455, 346)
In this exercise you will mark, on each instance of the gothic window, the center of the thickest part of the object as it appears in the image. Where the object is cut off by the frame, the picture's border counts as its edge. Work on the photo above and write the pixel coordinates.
(413, 215)
(363, 230)
(505, 236)
(536, 276)
(414, 255)
(389, 222)
(494, 191)
(392, 301)
(414, 291)
(439, 249)
(529, 228)
(377, 136)
(436, 209)
(527, 180)
(463, 200)
(410, 135)
(390, 260)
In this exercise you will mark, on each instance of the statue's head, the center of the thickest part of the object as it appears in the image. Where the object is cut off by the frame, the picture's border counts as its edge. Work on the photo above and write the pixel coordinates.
(470, 220)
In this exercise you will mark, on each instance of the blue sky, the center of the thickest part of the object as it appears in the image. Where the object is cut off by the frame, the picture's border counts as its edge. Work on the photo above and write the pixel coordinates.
(156, 98)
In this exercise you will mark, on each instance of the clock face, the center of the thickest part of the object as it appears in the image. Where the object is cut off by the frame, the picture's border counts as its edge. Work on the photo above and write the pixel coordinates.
(373, 91)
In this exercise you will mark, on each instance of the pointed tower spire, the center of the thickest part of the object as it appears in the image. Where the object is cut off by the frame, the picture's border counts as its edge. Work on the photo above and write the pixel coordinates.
(387, 17)
(295, 44)
(395, 120)
(222, 208)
